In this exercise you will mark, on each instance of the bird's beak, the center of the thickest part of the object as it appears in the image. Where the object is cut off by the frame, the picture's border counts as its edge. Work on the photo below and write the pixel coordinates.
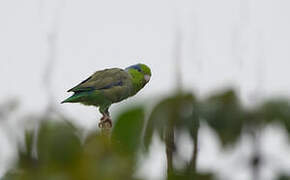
(147, 78)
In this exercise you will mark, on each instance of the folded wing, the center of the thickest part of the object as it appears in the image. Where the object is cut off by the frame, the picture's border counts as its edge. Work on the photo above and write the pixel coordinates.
(104, 79)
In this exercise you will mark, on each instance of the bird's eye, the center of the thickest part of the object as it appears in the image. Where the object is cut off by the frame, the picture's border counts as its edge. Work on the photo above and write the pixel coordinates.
(138, 69)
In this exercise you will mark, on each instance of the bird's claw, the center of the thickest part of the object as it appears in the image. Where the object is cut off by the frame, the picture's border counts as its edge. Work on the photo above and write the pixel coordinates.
(105, 120)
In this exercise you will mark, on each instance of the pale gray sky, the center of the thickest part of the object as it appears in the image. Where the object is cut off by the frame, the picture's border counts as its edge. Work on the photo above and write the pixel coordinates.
(241, 43)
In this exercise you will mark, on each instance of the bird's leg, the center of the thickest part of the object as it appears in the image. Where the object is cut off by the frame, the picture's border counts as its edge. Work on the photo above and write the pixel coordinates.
(103, 119)
(106, 119)
(105, 116)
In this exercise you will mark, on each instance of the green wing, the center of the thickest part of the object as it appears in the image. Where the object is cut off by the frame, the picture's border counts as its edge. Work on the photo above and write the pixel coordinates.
(104, 79)
(103, 88)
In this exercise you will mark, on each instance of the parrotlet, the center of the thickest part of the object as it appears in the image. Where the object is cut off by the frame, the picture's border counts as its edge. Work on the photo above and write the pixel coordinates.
(109, 86)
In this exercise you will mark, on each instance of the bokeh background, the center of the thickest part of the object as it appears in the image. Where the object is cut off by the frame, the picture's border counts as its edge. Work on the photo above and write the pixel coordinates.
(200, 47)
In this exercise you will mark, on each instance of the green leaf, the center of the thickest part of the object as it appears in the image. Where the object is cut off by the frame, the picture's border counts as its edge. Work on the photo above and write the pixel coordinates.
(128, 130)
(224, 115)
(58, 144)
(276, 110)
(177, 111)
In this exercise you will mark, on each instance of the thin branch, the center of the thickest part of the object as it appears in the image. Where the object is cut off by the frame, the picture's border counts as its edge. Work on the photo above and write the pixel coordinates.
(177, 59)
(177, 47)
(256, 157)
(170, 148)
(193, 160)
(240, 43)
(52, 40)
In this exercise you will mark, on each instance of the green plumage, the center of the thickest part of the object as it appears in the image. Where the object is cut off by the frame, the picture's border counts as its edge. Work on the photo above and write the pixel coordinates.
(110, 86)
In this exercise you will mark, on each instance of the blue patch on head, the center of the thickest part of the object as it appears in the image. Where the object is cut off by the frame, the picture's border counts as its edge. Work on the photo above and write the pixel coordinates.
(136, 66)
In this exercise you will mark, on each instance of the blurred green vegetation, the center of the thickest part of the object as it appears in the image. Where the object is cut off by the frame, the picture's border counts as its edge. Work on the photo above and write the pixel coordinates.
(63, 155)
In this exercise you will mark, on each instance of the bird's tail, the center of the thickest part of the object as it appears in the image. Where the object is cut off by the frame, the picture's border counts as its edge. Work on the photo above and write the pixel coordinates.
(76, 97)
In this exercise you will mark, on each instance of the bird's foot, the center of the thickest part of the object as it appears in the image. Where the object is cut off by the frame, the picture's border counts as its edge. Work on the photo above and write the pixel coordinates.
(106, 122)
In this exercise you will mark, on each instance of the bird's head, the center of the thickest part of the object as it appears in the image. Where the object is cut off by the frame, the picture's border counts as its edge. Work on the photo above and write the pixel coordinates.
(141, 69)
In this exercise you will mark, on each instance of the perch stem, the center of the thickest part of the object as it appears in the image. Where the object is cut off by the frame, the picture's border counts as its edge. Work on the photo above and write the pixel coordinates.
(106, 129)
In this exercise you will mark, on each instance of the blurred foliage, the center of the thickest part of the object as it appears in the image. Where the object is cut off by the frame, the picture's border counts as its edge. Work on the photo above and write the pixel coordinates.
(222, 111)
(174, 113)
(193, 176)
(178, 111)
(224, 114)
(283, 177)
(276, 110)
(128, 130)
(63, 155)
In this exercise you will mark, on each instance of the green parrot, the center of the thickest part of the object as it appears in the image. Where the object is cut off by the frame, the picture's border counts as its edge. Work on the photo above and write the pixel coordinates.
(109, 86)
